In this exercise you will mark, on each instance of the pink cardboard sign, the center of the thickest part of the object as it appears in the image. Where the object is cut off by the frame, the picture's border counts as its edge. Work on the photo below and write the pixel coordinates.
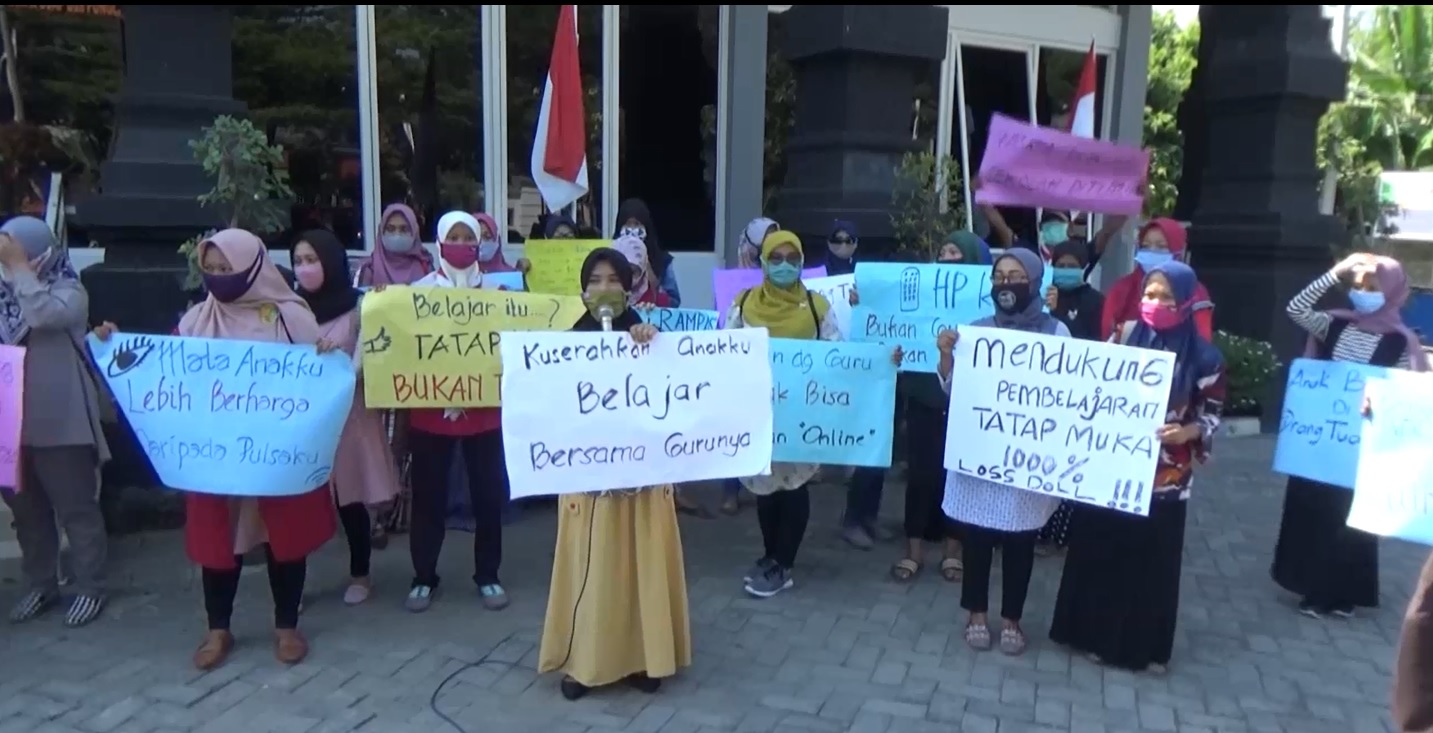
(12, 392)
(727, 283)
(1029, 165)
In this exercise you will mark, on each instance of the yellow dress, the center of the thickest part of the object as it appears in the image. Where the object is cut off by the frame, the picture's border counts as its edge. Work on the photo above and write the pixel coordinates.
(630, 614)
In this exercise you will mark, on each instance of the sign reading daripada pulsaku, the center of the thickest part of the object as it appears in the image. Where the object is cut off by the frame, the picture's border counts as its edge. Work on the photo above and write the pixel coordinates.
(601, 412)
(833, 401)
(439, 347)
(1071, 419)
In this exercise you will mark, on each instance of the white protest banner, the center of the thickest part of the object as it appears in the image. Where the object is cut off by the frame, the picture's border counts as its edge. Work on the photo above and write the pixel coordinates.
(837, 289)
(596, 411)
(1072, 419)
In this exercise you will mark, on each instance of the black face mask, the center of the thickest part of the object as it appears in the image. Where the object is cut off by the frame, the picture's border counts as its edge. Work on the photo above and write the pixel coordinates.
(1011, 299)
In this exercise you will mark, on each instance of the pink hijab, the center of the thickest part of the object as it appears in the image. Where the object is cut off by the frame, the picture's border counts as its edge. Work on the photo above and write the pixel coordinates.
(399, 268)
(269, 311)
(496, 263)
(635, 250)
(1393, 283)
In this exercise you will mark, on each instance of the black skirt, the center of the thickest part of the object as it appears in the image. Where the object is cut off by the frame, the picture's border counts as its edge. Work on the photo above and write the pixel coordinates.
(1318, 556)
(1119, 595)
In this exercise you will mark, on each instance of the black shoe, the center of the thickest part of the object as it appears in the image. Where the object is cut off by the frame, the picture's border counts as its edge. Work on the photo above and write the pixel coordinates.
(572, 689)
(642, 682)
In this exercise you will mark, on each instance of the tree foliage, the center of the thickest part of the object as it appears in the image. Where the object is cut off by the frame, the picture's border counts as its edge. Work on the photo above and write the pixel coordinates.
(927, 203)
(1172, 57)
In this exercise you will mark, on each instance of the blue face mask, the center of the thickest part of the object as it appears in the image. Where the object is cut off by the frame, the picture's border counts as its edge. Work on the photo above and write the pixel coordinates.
(1053, 233)
(1068, 278)
(1366, 302)
(783, 274)
(1149, 259)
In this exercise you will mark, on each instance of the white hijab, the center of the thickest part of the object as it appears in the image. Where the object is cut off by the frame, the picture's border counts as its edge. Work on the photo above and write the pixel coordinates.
(468, 277)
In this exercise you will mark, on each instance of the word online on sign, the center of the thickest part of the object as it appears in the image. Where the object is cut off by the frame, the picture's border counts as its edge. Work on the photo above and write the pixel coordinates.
(607, 413)
(1076, 419)
(833, 402)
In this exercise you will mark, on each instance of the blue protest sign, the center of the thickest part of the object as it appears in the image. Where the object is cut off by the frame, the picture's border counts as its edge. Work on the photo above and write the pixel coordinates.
(1319, 430)
(832, 402)
(238, 418)
(1393, 490)
(907, 305)
(504, 281)
(680, 319)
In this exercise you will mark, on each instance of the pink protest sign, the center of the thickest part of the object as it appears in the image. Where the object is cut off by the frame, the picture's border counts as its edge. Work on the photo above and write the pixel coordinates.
(12, 391)
(727, 283)
(1029, 165)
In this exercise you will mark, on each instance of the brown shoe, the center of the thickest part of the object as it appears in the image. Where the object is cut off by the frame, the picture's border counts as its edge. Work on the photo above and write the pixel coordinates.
(289, 646)
(214, 650)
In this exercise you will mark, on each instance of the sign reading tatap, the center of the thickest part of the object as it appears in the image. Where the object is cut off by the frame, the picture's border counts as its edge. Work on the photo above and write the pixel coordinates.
(908, 305)
(438, 347)
(834, 402)
(1319, 430)
(1029, 165)
(1071, 419)
(240, 418)
(557, 264)
(12, 402)
(601, 412)
(1393, 492)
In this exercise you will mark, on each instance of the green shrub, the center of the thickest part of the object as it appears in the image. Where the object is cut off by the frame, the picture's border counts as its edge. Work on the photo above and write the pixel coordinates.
(1250, 365)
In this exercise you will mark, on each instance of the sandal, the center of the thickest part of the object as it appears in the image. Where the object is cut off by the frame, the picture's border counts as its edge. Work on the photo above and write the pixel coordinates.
(977, 636)
(905, 570)
(1012, 641)
(952, 569)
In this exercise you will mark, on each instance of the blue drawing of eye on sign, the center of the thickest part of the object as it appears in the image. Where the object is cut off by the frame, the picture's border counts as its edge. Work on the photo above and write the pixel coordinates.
(907, 305)
(1319, 430)
(679, 319)
(1393, 492)
(832, 402)
(239, 418)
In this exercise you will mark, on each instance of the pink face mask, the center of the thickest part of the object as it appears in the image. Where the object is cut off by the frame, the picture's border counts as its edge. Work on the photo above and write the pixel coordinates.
(1159, 316)
(461, 256)
(310, 276)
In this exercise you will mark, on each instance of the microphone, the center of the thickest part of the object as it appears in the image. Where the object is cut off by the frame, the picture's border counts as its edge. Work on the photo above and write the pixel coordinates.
(604, 312)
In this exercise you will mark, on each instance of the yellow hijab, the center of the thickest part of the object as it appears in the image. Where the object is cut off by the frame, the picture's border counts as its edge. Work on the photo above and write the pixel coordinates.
(785, 312)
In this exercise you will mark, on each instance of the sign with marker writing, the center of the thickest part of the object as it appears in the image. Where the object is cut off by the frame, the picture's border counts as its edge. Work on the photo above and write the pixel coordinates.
(1319, 432)
(1029, 165)
(837, 290)
(834, 402)
(438, 347)
(907, 305)
(727, 284)
(1393, 491)
(679, 319)
(1071, 419)
(12, 404)
(557, 264)
(239, 418)
(602, 412)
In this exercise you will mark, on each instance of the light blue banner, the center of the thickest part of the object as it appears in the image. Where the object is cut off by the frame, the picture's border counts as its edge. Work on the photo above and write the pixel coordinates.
(909, 304)
(504, 281)
(832, 402)
(1319, 430)
(680, 319)
(1393, 493)
(230, 417)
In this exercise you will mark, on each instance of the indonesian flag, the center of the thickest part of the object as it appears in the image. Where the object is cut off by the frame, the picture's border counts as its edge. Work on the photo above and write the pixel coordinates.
(1082, 106)
(559, 147)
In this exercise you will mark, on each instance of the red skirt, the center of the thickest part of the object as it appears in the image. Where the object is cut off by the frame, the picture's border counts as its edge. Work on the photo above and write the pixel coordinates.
(296, 526)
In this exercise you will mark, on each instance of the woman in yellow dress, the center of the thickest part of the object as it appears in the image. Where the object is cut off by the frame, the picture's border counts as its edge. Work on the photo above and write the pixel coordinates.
(617, 609)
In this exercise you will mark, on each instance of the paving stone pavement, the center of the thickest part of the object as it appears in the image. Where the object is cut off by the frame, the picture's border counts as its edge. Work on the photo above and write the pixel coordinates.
(848, 650)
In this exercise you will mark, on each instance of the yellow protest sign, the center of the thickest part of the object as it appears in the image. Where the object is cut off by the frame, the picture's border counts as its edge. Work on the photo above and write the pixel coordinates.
(557, 264)
(438, 347)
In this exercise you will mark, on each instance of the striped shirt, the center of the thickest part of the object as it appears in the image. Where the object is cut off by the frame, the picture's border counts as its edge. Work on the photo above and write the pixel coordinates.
(1354, 344)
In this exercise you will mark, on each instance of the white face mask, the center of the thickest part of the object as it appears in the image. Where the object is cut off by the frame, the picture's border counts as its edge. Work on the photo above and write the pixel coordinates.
(486, 249)
(397, 242)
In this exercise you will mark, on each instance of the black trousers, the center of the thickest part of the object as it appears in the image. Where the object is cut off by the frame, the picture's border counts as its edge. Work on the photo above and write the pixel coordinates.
(487, 487)
(1017, 559)
(286, 583)
(358, 529)
(783, 517)
(925, 475)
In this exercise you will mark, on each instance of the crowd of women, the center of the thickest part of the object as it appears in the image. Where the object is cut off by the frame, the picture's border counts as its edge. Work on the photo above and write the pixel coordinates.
(617, 607)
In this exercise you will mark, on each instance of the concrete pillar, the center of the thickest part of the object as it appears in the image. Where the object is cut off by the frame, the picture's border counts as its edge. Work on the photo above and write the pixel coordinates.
(742, 124)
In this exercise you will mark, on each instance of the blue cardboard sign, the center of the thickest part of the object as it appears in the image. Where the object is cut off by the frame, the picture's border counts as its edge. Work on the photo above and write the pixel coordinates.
(832, 402)
(680, 319)
(1393, 491)
(1320, 428)
(504, 281)
(239, 418)
(907, 305)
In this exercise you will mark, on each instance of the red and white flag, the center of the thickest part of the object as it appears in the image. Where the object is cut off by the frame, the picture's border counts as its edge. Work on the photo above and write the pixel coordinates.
(1082, 105)
(559, 147)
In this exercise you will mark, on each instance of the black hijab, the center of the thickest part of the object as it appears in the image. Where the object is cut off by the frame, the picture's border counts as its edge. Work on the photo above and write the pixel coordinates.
(1079, 308)
(337, 295)
(554, 221)
(637, 209)
(628, 317)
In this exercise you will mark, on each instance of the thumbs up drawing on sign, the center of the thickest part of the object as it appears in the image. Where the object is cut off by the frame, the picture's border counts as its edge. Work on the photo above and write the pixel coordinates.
(379, 343)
